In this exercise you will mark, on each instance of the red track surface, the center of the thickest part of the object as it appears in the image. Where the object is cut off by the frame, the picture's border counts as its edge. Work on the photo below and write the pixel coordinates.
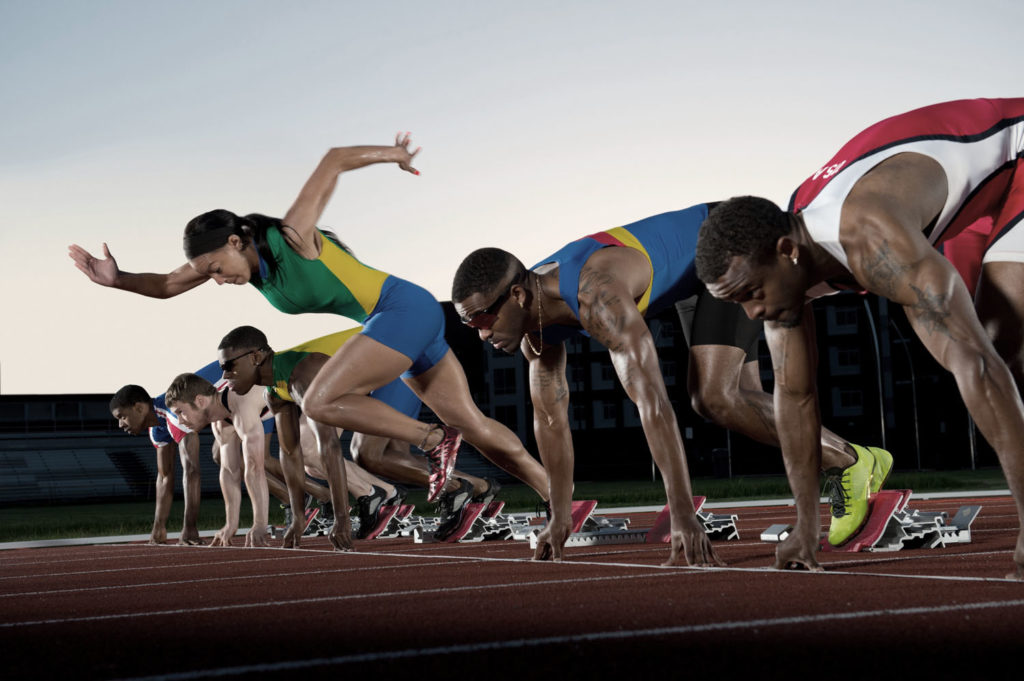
(484, 611)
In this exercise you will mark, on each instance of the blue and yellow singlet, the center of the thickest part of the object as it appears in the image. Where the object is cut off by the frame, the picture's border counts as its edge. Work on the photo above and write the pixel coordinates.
(668, 241)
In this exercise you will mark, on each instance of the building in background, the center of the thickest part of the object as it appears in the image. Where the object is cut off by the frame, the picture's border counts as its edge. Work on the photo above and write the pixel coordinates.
(876, 383)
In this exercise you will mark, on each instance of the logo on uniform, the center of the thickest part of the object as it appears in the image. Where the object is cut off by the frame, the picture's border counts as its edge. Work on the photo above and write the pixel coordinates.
(828, 171)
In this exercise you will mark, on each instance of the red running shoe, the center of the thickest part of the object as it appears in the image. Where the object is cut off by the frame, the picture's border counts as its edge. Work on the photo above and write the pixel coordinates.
(442, 461)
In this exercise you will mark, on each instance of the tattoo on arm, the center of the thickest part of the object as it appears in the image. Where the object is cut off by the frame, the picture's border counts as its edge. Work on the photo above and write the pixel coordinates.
(883, 271)
(888, 276)
(552, 382)
(931, 310)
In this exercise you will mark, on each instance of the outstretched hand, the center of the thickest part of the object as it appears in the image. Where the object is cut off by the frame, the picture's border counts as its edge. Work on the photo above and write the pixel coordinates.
(691, 541)
(404, 160)
(797, 553)
(103, 272)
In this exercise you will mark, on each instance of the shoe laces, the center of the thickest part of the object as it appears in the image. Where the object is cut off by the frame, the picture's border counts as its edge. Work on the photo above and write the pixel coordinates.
(836, 493)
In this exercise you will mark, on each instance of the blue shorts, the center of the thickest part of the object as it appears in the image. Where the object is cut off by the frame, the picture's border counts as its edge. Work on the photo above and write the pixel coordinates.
(399, 397)
(408, 319)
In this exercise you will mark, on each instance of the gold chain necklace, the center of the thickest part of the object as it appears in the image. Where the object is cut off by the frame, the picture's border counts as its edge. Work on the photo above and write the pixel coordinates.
(540, 320)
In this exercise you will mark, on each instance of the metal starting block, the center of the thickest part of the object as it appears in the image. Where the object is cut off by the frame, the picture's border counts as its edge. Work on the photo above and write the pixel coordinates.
(479, 522)
(908, 529)
(715, 526)
(777, 532)
(892, 526)
(591, 530)
(399, 523)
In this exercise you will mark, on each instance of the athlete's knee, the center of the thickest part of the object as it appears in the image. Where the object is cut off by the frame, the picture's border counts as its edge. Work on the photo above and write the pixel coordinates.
(315, 405)
(713, 402)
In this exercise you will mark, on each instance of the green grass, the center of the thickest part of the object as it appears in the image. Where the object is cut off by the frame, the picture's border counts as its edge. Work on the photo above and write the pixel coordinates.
(126, 518)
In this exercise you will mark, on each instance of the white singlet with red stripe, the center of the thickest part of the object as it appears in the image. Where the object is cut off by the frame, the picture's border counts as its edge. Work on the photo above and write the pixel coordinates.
(979, 143)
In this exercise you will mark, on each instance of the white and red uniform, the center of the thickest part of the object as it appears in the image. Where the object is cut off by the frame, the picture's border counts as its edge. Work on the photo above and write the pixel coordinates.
(980, 145)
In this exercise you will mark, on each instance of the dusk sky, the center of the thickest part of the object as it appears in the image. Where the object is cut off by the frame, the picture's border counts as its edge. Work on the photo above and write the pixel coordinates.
(540, 122)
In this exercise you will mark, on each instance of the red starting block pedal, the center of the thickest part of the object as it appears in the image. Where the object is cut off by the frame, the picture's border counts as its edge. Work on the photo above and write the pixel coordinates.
(404, 511)
(470, 513)
(493, 509)
(581, 510)
(386, 514)
(661, 533)
(881, 507)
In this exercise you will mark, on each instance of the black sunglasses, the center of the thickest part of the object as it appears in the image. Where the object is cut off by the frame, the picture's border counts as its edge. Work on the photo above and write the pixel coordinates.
(228, 364)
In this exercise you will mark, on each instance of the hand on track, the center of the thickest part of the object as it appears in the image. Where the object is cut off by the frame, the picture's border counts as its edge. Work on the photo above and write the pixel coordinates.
(341, 534)
(223, 537)
(551, 541)
(692, 542)
(293, 535)
(159, 536)
(190, 537)
(257, 537)
(797, 552)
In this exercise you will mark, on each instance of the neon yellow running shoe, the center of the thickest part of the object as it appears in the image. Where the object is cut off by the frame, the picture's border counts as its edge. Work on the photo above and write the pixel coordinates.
(848, 490)
(883, 466)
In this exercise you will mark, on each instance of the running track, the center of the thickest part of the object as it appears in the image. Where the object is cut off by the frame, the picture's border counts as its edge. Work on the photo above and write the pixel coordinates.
(481, 611)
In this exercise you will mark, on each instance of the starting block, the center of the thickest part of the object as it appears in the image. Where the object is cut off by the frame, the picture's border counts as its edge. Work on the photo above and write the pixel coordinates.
(387, 513)
(715, 526)
(591, 530)
(311, 514)
(399, 523)
(479, 522)
(892, 526)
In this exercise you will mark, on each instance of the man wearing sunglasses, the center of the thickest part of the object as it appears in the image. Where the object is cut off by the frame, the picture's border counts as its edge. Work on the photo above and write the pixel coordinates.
(603, 285)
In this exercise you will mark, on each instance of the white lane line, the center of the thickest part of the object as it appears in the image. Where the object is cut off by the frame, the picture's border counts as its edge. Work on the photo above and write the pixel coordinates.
(182, 582)
(169, 566)
(885, 557)
(335, 599)
(595, 637)
(765, 569)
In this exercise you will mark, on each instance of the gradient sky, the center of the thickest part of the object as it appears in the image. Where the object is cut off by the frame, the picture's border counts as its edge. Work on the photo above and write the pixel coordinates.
(540, 122)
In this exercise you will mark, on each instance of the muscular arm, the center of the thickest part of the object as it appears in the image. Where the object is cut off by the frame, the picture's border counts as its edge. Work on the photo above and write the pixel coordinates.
(286, 420)
(329, 447)
(905, 269)
(188, 450)
(246, 417)
(550, 395)
(105, 272)
(304, 214)
(608, 312)
(798, 421)
(340, 534)
(164, 492)
(230, 482)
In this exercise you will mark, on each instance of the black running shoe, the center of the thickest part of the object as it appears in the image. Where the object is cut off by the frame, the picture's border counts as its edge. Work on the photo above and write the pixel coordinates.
(451, 505)
(397, 497)
(487, 496)
(368, 508)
